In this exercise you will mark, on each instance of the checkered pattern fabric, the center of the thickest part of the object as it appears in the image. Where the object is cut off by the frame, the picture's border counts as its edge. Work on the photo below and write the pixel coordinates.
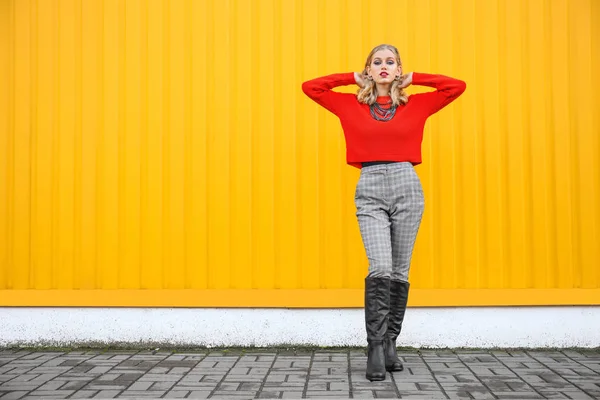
(389, 206)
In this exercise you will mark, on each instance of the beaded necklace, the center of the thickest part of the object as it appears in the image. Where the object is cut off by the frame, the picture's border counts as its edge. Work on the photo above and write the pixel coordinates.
(383, 114)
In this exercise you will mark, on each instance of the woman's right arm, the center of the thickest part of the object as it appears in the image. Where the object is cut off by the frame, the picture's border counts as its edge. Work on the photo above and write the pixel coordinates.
(319, 89)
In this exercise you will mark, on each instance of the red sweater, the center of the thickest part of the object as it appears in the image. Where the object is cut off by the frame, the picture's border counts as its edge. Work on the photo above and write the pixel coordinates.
(396, 140)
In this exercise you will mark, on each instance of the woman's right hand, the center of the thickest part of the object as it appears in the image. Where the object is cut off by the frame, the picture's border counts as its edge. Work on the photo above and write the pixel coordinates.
(359, 80)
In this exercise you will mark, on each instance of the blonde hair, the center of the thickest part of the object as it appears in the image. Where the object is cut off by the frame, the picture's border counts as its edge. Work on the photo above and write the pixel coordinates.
(368, 93)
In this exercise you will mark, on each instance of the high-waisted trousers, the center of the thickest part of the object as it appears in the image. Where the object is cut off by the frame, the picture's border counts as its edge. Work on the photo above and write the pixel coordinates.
(389, 206)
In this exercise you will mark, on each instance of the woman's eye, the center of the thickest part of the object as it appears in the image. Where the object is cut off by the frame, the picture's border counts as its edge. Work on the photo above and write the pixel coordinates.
(390, 63)
(377, 62)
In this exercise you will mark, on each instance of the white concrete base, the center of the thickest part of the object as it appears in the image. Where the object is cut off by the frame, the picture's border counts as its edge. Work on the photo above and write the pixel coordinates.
(424, 327)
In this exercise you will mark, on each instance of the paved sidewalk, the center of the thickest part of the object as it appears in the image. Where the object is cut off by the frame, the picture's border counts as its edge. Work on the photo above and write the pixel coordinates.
(287, 374)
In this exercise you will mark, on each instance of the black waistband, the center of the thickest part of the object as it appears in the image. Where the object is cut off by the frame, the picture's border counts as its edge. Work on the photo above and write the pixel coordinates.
(370, 163)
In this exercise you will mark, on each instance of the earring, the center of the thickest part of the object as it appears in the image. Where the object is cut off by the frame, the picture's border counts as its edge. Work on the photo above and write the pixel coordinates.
(370, 77)
(397, 78)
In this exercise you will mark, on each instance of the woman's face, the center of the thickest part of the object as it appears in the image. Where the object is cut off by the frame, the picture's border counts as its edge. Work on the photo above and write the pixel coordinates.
(384, 67)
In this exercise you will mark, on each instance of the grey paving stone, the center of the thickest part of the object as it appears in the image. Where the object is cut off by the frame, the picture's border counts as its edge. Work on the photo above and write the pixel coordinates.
(407, 386)
(250, 386)
(571, 395)
(162, 386)
(339, 386)
(296, 378)
(213, 378)
(7, 374)
(61, 394)
(141, 385)
(291, 395)
(199, 394)
(458, 395)
(83, 394)
(52, 385)
(142, 393)
(284, 386)
(200, 386)
(18, 394)
(382, 394)
(244, 378)
(160, 377)
(363, 394)
(176, 394)
(25, 377)
(108, 387)
(233, 395)
(268, 395)
(317, 394)
(426, 386)
(11, 387)
(99, 370)
(317, 386)
(107, 377)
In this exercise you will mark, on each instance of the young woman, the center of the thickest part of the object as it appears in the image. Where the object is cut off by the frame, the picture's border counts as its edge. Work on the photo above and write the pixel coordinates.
(383, 128)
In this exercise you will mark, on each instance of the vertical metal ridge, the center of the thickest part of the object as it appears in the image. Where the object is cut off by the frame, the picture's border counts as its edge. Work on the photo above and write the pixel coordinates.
(573, 167)
(55, 167)
(528, 197)
(78, 127)
(551, 170)
(479, 169)
(187, 181)
(166, 136)
(457, 169)
(205, 80)
(504, 149)
(233, 94)
(155, 237)
(100, 148)
(9, 261)
(255, 71)
(276, 167)
(143, 138)
(299, 42)
(33, 73)
(209, 126)
(122, 144)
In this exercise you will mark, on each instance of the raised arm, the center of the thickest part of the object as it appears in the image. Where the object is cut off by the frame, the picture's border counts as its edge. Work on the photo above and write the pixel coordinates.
(447, 90)
(319, 89)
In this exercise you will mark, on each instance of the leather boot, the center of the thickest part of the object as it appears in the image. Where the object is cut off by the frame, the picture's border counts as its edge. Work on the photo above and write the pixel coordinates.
(377, 303)
(398, 300)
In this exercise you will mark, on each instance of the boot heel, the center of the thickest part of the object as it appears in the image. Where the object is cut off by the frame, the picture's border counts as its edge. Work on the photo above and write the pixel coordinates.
(375, 361)
(392, 361)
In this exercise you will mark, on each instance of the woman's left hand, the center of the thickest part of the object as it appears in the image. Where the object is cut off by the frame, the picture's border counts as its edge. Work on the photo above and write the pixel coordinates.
(405, 80)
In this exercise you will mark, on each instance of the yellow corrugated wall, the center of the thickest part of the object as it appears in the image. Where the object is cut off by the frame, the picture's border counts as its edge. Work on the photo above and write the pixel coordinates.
(161, 153)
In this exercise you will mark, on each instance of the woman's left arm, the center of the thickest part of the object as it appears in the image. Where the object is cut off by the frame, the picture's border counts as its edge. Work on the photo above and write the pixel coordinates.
(447, 89)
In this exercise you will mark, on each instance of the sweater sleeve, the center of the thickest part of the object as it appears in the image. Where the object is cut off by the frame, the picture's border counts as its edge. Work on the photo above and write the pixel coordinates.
(447, 90)
(319, 89)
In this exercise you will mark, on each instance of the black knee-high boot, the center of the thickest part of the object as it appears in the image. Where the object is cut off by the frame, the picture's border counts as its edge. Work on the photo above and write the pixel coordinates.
(398, 300)
(377, 305)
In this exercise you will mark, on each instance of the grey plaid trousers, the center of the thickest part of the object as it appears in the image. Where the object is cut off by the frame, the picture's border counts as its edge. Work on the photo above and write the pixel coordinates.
(389, 206)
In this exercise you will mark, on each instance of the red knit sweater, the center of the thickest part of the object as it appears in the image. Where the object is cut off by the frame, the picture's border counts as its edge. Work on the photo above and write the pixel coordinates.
(396, 140)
